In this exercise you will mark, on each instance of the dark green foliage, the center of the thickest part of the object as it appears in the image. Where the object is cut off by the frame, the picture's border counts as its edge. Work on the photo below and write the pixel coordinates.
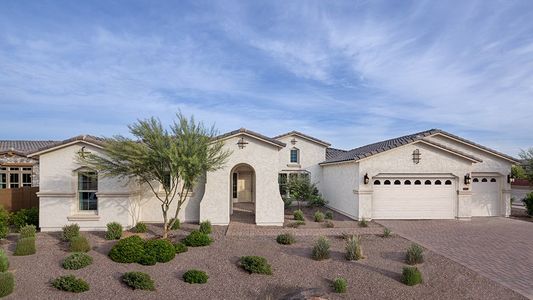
(128, 250)
(296, 224)
(141, 228)
(77, 260)
(411, 276)
(414, 255)
(70, 283)
(255, 264)
(27, 231)
(353, 248)
(386, 232)
(340, 285)
(79, 244)
(195, 276)
(329, 215)
(25, 246)
(205, 227)
(317, 200)
(25, 216)
(148, 259)
(299, 215)
(4, 222)
(70, 231)
(528, 202)
(4, 262)
(197, 239)
(287, 201)
(285, 239)
(321, 249)
(176, 224)
(180, 247)
(114, 231)
(138, 281)
(319, 216)
(7, 284)
(162, 250)
(363, 223)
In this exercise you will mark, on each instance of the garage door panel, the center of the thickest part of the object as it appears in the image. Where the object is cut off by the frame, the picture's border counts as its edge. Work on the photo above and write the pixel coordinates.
(486, 195)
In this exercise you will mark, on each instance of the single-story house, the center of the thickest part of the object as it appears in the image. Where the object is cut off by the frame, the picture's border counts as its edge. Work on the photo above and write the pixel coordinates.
(427, 175)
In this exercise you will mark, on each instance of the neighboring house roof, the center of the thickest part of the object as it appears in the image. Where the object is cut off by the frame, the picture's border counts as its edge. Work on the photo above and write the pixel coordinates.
(250, 133)
(521, 182)
(333, 152)
(97, 141)
(375, 148)
(305, 136)
(23, 148)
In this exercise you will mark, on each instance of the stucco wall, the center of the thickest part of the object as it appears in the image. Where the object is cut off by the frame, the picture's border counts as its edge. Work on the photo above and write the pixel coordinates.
(262, 157)
(339, 183)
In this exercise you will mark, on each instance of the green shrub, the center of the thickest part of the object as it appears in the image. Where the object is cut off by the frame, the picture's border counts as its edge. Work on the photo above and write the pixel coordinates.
(4, 262)
(321, 249)
(414, 255)
(27, 231)
(148, 259)
(296, 224)
(319, 216)
(329, 224)
(162, 250)
(317, 200)
(176, 224)
(25, 246)
(138, 281)
(299, 215)
(285, 239)
(79, 244)
(4, 222)
(70, 283)
(70, 231)
(411, 276)
(77, 260)
(386, 232)
(205, 227)
(25, 216)
(528, 202)
(114, 231)
(329, 215)
(195, 276)
(180, 247)
(363, 223)
(141, 227)
(7, 283)
(353, 248)
(197, 239)
(128, 250)
(287, 202)
(340, 285)
(255, 264)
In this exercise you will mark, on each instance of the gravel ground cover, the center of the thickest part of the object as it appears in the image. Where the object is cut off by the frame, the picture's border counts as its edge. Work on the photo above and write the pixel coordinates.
(295, 274)
(339, 220)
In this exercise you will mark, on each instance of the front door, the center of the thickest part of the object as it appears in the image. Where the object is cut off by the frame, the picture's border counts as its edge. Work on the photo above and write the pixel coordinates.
(244, 187)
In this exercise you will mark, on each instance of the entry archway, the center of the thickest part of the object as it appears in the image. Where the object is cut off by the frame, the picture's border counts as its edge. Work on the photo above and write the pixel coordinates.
(242, 193)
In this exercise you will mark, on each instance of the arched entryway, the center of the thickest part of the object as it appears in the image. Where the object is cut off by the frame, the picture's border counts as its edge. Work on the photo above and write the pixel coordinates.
(242, 194)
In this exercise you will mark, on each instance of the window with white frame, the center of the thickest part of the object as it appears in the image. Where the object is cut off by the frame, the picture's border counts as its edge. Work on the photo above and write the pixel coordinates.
(87, 189)
(295, 155)
(15, 177)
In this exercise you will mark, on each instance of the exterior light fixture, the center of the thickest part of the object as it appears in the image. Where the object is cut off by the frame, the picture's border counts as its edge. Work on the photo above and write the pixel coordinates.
(416, 156)
(467, 179)
(242, 143)
(510, 178)
(366, 179)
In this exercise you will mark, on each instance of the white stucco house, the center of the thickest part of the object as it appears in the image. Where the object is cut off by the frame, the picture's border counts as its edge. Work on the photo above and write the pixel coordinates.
(426, 175)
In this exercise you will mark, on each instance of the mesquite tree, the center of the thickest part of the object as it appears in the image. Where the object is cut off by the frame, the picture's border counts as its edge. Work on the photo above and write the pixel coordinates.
(173, 159)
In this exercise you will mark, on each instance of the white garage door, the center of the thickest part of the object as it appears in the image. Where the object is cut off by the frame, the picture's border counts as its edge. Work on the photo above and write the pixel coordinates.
(486, 195)
(414, 198)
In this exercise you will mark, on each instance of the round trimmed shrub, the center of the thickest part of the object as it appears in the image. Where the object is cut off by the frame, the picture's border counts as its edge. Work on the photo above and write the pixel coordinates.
(7, 283)
(4, 222)
(114, 231)
(299, 215)
(255, 264)
(195, 276)
(162, 250)
(148, 259)
(180, 247)
(141, 227)
(70, 283)
(128, 250)
(197, 239)
(205, 227)
(27, 231)
(138, 281)
(4, 262)
(285, 239)
(340, 285)
(25, 246)
(329, 215)
(319, 216)
(411, 276)
(79, 244)
(77, 261)
(70, 231)
(321, 249)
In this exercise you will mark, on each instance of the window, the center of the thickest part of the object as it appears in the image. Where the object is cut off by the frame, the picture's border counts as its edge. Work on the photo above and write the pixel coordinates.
(377, 182)
(417, 182)
(26, 179)
(427, 182)
(234, 185)
(397, 182)
(282, 181)
(476, 180)
(14, 180)
(15, 177)
(294, 155)
(448, 182)
(87, 188)
(3, 180)
(484, 180)
(438, 182)
(387, 182)
(493, 180)
(407, 182)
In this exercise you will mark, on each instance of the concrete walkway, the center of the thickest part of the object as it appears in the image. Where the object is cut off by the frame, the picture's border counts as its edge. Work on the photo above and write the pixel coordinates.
(500, 249)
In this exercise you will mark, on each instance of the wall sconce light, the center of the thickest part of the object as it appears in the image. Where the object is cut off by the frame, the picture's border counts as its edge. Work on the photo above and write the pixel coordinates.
(510, 178)
(366, 179)
(467, 179)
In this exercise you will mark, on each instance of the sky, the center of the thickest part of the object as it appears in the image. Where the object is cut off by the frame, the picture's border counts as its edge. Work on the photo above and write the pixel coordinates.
(348, 72)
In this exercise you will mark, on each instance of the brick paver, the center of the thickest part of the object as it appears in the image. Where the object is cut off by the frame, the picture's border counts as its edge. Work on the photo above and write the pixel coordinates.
(500, 249)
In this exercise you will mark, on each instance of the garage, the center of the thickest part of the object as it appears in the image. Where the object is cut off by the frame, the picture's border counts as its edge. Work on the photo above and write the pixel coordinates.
(486, 195)
(414, 198)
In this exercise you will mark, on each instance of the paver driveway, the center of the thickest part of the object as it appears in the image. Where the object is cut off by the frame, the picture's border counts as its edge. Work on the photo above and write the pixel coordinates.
(501, 249)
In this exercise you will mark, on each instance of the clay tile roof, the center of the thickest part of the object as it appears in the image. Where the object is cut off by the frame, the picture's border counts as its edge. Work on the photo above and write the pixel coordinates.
(88, 138)
(23, 147)
(252, 133)
(304, 136)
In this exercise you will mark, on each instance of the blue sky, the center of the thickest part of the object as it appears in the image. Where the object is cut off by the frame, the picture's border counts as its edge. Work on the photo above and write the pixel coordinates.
(351, 72)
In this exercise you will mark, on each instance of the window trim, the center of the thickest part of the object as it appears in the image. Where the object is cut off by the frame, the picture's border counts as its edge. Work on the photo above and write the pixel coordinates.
(297, 151)
(79, 191)
(18, 171)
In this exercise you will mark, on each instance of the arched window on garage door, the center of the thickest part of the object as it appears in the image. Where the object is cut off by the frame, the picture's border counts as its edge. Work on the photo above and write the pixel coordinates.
(476, 180)
(417, 182)
(448, 182)
(387, 182)
(438, 182)
(427, 182)
(493, 180)
(407, 182)
(377, 182)
(397, 182)
(484, 180)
